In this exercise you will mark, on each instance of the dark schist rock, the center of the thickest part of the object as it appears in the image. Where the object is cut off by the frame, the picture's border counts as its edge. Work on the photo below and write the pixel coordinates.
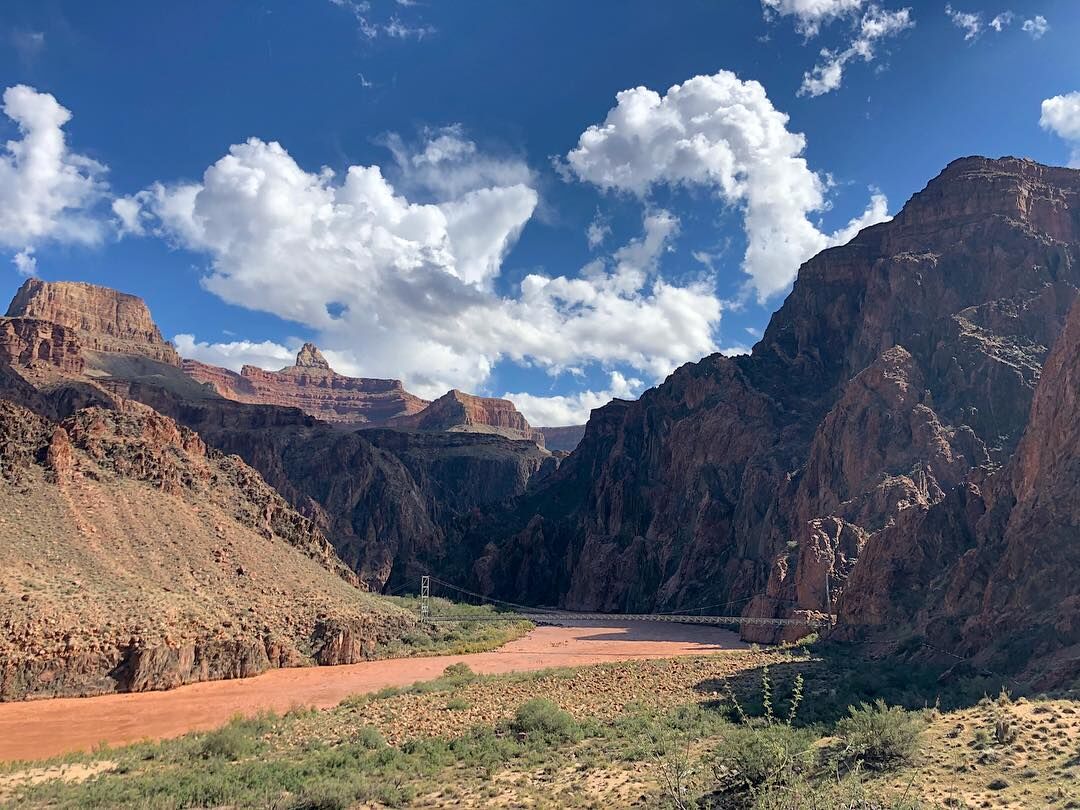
(990, 572)
(901, 366)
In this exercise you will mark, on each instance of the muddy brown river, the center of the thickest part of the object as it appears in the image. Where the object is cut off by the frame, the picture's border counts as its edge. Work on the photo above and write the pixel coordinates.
(43, 728)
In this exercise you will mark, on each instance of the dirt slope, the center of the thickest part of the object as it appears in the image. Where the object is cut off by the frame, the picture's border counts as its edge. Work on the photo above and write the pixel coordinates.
(134, 558)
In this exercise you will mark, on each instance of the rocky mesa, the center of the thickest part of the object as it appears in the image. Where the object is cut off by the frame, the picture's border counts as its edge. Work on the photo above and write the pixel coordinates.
(313, 387)
(102, 319)
(457, 411)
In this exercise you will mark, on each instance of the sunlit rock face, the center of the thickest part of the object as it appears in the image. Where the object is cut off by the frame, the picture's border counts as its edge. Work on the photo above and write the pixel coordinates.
(313, 387)
(102, 319)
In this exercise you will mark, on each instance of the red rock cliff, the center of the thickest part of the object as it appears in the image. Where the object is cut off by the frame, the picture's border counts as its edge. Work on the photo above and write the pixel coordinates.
(30, 342)
(901, 364)
(313, 387)
(456, 410)
(103, 319)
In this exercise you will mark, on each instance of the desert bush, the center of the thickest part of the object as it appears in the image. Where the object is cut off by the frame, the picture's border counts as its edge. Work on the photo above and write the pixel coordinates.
(541, 717)
(878, 735)
(240, 737)
(369, 737)
(750, 758)
(459, 670)
(675, 773)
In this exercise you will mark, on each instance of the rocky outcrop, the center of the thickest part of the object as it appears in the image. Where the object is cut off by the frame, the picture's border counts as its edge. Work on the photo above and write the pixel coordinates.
(32, 342)
(101, 318)
(457, 411)
(385, 498)
(313, 387)
(989, 572)
(901, 365)
(133, 558)
(564, 438)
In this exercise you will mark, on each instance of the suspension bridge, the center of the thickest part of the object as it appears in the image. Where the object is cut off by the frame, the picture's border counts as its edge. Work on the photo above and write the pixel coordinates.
(510, 611)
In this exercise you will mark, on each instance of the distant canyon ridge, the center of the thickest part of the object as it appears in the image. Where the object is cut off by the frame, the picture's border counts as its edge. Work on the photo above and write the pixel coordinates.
(899, 452)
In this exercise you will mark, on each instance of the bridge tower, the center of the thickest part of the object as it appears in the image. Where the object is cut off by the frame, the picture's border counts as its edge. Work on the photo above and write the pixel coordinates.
(425, 598)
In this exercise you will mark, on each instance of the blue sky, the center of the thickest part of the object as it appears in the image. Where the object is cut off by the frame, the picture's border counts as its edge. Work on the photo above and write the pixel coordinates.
(456, 252)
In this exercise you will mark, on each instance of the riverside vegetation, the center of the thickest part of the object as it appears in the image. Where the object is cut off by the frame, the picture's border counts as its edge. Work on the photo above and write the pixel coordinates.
(803, 727)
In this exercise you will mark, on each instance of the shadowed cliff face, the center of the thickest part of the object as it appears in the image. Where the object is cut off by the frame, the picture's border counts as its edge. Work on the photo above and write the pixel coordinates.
(990, 570)
(383, 497)
(898, 364)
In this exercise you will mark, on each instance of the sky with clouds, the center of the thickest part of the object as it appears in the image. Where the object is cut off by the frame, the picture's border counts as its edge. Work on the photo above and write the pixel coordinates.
(556, 202)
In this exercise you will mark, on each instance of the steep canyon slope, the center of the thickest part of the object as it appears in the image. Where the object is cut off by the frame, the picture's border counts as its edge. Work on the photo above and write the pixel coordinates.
(132, 557)
(382, 497)
(901, 367)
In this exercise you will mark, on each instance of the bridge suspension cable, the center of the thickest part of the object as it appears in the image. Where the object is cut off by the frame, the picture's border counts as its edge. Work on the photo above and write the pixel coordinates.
(687, 615)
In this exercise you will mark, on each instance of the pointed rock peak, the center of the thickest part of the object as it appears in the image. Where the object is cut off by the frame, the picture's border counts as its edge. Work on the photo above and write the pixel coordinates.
(309, 356)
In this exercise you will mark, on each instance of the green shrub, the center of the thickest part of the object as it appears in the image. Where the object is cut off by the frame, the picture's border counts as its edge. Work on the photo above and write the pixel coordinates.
(760, 756)
(878, 735)
(241, 737)
(541, 717)
(459, 670)
(369, 737)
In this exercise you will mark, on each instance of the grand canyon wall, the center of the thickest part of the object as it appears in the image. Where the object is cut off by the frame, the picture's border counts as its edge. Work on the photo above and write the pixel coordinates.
(313, 387)
(901, 366)
(894, 451)
(384, 498)
(102, 319)
(134, 558)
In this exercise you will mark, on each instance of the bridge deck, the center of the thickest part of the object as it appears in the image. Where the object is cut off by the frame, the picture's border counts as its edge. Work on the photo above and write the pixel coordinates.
(561, 617)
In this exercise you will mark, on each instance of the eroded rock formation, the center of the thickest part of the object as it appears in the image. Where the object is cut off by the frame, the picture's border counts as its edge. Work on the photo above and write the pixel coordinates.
(133, 558)
(101, 318)
(901, 366)
(313, 387)
(31, 342)
(457, 411)
(989, 572)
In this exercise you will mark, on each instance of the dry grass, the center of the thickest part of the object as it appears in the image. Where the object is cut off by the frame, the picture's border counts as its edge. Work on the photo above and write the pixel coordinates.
(624, 717)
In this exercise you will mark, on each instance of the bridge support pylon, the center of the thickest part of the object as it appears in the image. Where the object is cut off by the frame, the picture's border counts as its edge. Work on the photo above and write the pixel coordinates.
(425, 599)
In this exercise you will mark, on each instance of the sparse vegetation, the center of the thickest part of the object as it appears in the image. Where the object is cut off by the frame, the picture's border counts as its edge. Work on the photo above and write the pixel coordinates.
(451, 638)
(684, 740)
(542, 718)
(878, 736)
(239, 738)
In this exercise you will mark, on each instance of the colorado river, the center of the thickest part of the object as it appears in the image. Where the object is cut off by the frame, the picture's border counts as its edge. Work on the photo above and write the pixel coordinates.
(43, 728)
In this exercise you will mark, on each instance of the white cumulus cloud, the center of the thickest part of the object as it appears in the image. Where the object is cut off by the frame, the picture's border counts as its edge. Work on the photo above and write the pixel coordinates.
(574, 409)
(47, 191)
(875, 25)
(723, 133)
(810, 15)
(970, 22)
(1061, 115)
(402, 289)
(1037, 26)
